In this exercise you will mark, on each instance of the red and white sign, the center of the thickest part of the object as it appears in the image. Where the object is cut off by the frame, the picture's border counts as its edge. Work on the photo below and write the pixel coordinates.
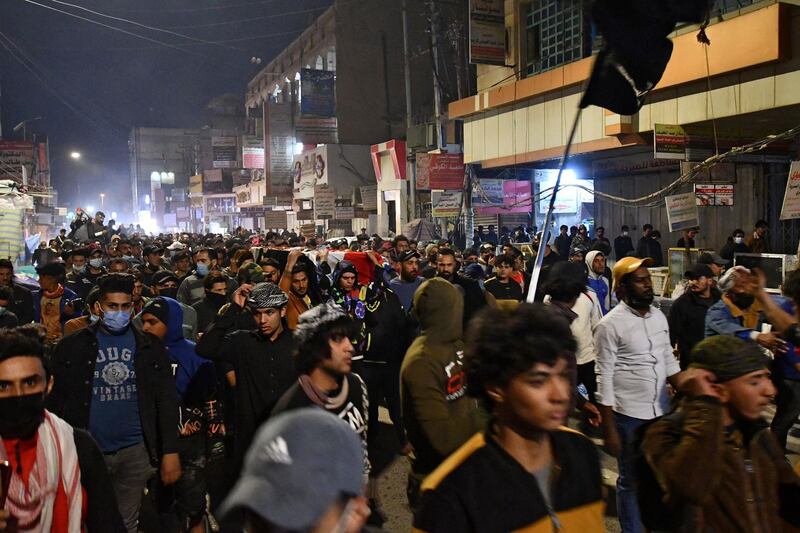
(397, 151)
(440, 171)
(253, 152)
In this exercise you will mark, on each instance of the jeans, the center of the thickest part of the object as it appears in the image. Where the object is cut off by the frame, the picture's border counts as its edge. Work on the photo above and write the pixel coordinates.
(787, 402)
(129, 469)
(627, 506)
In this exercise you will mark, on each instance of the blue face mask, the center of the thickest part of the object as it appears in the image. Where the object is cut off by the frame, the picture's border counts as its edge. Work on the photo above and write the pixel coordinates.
(93, 318)
(96, 262)
(79, 269)
(116, 320)
(202, 269)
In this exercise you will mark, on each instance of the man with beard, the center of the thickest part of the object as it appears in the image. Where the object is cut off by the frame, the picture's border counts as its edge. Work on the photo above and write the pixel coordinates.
(409, 280)
(22, 302)
(59, 481)
(474, 296)
(294, 282)
(634, 363)
(261, 358)
(191, 289)
(687, 316)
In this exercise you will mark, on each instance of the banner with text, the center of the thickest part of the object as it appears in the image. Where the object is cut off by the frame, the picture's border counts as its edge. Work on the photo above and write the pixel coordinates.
(224, 151)
(682, 211)
(487, 32)
(440, 171)
(318, 90)
(445, 203)
(791, 198)
(252, 152)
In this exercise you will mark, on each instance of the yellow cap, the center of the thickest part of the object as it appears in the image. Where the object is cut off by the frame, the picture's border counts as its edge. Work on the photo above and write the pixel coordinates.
(628, 265)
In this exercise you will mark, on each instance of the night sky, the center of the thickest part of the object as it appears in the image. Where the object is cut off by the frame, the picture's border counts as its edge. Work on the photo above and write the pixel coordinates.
(116, 81)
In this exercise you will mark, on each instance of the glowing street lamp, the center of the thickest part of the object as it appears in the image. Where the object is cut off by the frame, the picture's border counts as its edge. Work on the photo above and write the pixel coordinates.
(75, 155)
(102, 197)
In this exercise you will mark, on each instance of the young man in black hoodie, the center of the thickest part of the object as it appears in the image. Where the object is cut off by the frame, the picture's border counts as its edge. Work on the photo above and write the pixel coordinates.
(687, 316)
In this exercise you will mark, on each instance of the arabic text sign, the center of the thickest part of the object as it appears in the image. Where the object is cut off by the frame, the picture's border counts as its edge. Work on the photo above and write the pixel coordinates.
(440, 171)
(669, 141)
(324, 202)
(445, 203)
(252, 152)
(791, 198)
(224, 151)
(319, 93)
(682, 211)
(487, 32)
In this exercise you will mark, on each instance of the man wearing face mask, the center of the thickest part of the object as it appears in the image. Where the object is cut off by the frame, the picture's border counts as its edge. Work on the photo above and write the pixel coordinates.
(116, 381)
(191, 289)
(215, 285)
(738, 313)
(734, 245)
(634, 364)
(58, 479)
(77, 279)
(95, 269)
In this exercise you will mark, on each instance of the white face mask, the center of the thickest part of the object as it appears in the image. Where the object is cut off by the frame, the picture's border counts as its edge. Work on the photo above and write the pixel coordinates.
(738, 240)
(624, 233)
(96, 262)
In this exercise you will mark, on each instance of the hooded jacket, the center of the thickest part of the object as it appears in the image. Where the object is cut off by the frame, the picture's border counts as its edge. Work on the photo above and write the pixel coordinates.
(438, 415)
(598, 283)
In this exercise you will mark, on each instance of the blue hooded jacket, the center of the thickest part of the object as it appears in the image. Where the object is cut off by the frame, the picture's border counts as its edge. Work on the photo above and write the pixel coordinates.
(188, 367)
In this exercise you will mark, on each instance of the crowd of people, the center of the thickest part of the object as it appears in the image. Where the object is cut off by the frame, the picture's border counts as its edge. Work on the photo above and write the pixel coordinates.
(235, 380)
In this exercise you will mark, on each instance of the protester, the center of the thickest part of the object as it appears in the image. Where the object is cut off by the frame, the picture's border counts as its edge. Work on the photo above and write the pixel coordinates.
(271, 268)
(600, 238)
(623, 244)
(409, 280)
(165, 283)
(757, 241)
(22, 303)
(687, 315)
(738, 478)
(79, 280)
(526, 471)
(260, 355)
(634, 363)
(152, 263)
(303, 473)
(88, 318)
(191, 289)
(54, 304)
(201, 427)
(474, 298)
(215, 286)
(734, 245)
(505, 290)
(563, 242)
(131, 410)
(596, 267)
(438, 416)
(59, 481)
(294, 282)
(687, 239)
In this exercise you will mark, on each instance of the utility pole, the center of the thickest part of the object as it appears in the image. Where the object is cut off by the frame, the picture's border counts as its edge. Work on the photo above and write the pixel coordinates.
(437, 94)
(412, 178)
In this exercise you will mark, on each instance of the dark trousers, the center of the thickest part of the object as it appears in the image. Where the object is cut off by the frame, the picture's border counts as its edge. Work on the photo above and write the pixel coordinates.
(129, 469)
(383, 383)
(787, 402)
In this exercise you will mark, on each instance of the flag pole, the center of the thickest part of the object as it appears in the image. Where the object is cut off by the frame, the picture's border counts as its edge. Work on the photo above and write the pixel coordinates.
(537, 267)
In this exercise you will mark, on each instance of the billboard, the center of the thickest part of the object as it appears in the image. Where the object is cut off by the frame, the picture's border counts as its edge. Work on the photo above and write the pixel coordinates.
(682, 211)
(446, 203)
(440, 171)
(310, 169)
(13, 156)
(224, 152)
(317, 93)
(487, 32)
(278, 118)
(252, 152)
(316, 130)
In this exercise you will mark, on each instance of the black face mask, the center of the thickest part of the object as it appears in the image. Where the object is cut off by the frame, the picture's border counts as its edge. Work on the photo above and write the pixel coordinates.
(20, 416)
(217, 300)
(742, 301)
(171, 292)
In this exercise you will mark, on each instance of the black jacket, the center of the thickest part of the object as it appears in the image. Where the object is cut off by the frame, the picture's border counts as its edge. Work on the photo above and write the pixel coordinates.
(102, 513)
(73, 372)
(622, 245)
(687, 318)
(649, 247)
(22, 306)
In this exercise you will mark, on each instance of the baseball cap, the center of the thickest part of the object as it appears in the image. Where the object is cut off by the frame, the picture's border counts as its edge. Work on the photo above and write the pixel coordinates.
(152, 249)
(177, 245)
(300, 463)
(408, 254)
(728, 357)
(708, 258)
(163, 276)
(628, 265)
(699, 270)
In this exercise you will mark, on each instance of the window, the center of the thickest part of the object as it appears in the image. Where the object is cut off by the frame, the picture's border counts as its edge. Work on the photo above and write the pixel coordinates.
(556, 33)
(332, 60)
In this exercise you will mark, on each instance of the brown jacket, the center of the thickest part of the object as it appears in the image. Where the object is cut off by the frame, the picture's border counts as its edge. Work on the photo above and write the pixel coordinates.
(725, 482)
(71, 326)
(296, 306)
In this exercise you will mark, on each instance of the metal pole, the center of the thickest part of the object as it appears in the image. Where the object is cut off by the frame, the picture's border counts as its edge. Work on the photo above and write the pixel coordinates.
(537, 267)
(411, 208)
(437, 99)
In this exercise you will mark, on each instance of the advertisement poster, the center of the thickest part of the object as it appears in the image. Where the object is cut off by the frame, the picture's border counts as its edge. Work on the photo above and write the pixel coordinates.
(713, 194)
(487, 32)
(252, 152)
(310, 169)
(516, 199)
(224, 152)
(791, 198)
(445, 203)
(487, 193)
(316, 130)
(669, 141)
(324, 202)
(682, 211)
(318, 93)
(440, 171)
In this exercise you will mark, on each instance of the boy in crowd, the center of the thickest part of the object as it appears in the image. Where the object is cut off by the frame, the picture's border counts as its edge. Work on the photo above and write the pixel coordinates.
(506, 290)
(525, 471)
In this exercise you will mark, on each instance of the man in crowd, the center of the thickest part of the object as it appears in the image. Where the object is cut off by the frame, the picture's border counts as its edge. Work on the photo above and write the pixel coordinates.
(165, 283)
(88, 318)
(191, 289)
(757, 241)
(525, 471)
(152, 263)
(400, 244)
(261, 358)
(59, 481)
(738, 313)
(715, 460)
(447, 269)
(79, 280)
(302, 474)
(596, 266)
(438, 416)
(623, 244)
(22, 302)
(647, 244)
(53, 304)
(634, 363)
(687, 316)
(687, 240)
(7, 318)
(115, 381)
(294, 282)
(181, 264)
(409, 280)
(97, 231)
(215, 296)
(600, 238)
(200, 425)
(563, 241)
(272, 269)
(505, 290)
(715, 262)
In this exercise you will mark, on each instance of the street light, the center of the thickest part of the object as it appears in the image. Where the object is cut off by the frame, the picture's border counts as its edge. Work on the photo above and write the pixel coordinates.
(102, 197)
(75, 155)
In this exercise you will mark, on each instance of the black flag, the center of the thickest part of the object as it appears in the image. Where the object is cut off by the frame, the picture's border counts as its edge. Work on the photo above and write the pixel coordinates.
(636, 49)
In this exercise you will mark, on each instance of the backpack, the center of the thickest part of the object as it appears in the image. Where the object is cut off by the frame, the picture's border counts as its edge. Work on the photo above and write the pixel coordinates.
(656, 514)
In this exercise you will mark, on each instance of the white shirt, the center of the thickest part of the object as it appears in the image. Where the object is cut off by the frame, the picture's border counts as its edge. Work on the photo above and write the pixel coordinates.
(587, 307)
(634, 359)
